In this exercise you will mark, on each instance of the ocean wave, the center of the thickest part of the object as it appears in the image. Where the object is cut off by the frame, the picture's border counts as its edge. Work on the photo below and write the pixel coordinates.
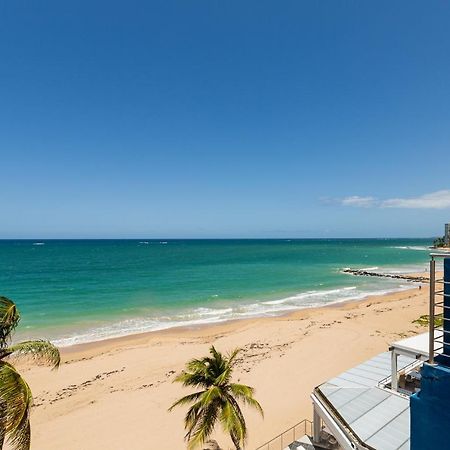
(412, 247)
(211, 315)
(310, 294)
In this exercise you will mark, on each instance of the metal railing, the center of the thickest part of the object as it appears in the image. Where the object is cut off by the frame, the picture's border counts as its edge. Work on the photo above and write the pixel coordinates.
(438, 334)
(385, 382)
(288, 436)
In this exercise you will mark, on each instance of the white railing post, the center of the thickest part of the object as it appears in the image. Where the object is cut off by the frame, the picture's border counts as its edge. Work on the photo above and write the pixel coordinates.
(394, 374)
(316, 426)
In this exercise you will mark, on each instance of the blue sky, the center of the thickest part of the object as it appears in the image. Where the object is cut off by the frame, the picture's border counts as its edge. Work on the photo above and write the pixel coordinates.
(224, 119)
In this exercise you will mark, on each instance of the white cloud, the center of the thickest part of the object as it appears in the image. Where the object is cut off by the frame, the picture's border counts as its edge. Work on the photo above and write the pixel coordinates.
(435, 200)
(359, 202)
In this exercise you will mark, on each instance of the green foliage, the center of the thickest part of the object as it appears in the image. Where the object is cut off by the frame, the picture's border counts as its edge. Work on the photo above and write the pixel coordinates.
(218, 399)
(425, 320)
(9, 318)
(15, 394)
(41, 352)
(17, 398)
(439, 242)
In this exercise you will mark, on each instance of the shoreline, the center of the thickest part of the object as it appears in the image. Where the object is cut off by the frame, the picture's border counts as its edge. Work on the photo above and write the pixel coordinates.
(137, 337)
(410, 278)
(226, 326)
(181, 329)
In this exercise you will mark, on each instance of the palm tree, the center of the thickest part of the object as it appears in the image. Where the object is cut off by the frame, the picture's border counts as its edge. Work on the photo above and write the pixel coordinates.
(15, 394)
(218, 399)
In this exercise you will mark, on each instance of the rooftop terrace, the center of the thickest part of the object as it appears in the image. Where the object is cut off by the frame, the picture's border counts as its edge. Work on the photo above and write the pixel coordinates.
(356, 407)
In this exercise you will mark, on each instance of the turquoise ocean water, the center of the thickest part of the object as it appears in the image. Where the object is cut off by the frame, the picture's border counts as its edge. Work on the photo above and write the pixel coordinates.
(74, 291)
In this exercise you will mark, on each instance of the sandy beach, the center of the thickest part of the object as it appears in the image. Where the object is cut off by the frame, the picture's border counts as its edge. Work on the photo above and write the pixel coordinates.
(115, 394)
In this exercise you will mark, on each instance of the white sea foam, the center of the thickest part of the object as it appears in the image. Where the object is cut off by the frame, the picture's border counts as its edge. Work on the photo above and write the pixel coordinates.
(310, 294)
(232, 311)
(412, 247)
(38, 243)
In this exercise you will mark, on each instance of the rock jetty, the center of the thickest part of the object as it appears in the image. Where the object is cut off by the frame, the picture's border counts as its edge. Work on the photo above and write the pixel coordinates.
(365, 273)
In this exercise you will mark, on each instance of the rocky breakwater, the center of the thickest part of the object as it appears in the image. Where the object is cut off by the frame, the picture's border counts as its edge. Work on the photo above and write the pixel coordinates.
(366, 273)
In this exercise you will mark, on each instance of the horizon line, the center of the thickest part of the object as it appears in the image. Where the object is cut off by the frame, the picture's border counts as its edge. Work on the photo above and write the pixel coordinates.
(203, 238)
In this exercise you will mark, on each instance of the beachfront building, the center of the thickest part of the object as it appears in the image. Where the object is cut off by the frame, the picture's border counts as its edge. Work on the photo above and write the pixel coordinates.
(397, 400)
(447, 235)
(368, 406)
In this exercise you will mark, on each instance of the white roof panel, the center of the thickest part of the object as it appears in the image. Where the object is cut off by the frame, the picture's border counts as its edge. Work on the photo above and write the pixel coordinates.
(377, 416)
(365, 402)
(369, 373)
(417, 345)
(394, 435)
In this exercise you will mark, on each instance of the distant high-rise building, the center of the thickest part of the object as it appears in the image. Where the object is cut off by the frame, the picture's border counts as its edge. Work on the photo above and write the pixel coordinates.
(447, 234)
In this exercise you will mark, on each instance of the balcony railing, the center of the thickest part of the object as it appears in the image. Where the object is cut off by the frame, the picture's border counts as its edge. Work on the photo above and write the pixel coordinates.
(438, 332)
(289, 436)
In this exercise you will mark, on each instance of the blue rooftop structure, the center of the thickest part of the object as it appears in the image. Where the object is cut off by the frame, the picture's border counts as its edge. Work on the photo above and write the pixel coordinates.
(372, 416)
(430, 408)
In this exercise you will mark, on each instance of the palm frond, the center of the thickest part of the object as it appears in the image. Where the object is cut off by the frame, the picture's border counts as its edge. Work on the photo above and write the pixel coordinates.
(197, 365)
(205, 425)
(17, 398)
(211, 395)
(232, 356)
(245, 394)
(187, 399)
(218, 362)
(20, 439)
(43, 352)
(228, 417)
(217, 357)
(191, 419)
(194, 379)
(233, 420)
(9, 318)
(224, 376)
(202, 401)
(226, 367)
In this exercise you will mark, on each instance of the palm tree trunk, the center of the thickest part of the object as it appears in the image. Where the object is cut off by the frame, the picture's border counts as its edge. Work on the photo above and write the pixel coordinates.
(236, 442)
